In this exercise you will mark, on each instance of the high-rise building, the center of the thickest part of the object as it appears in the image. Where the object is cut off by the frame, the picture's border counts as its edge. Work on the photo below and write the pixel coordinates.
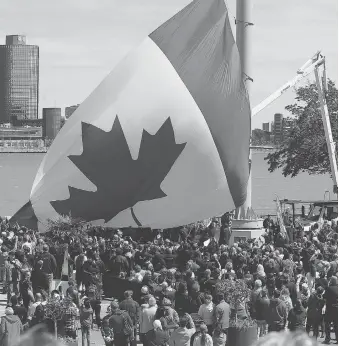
(70, 110)
(278, 128)
(266, 127)
(19, 79)
(51, 123)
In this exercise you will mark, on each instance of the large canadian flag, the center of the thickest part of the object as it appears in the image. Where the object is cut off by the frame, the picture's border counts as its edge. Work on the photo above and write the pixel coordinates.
(163, 141)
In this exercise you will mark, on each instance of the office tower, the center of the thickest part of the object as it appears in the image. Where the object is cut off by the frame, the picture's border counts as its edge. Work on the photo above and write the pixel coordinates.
(19, 79)
(266, 127)
(278, 128)
(51, 123)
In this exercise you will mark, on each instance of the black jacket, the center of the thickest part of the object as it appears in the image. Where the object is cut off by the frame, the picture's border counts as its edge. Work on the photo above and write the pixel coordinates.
(49, 265)
(133, 309)
(296, 319)
(261, 308)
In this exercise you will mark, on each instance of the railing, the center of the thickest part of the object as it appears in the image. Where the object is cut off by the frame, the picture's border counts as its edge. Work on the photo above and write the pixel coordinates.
(262, 147)
(23, 146)
(22, 150)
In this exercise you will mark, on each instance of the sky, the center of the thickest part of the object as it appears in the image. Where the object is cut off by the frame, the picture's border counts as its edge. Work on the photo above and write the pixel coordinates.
(82, 40)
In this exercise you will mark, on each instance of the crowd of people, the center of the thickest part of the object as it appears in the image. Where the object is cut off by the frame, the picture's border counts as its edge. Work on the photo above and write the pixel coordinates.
(294, 284)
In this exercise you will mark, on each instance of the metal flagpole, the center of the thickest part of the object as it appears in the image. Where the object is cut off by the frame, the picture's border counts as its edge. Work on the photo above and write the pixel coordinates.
(243, 39)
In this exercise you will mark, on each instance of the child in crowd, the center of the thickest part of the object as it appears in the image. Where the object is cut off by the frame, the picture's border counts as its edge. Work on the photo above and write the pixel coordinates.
(86, 318)
(107, 333)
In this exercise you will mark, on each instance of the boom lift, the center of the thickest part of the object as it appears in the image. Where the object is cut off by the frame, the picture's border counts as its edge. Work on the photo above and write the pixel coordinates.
(312, 65)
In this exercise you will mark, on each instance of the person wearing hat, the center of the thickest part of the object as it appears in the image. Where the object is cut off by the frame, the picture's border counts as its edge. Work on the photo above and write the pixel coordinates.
(11, 328)
(121, 324)
(171, 317)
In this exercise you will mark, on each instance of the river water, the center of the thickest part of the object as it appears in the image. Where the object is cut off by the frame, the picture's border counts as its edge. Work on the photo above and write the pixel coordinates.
(17, 172)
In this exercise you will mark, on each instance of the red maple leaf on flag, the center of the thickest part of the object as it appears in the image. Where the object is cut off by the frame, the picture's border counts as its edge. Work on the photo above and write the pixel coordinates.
(121, 181)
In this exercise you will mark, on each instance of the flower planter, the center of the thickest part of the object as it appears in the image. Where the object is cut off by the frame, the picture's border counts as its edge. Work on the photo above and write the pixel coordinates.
(241, 337)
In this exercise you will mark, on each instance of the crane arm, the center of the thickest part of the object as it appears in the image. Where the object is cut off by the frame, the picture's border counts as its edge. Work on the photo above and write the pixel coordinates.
(304, 71)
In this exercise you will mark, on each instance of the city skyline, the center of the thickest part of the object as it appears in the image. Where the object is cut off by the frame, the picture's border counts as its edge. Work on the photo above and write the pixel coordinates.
(76, 56)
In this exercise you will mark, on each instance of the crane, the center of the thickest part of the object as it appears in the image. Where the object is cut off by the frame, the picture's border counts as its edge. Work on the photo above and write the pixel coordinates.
(311, 65)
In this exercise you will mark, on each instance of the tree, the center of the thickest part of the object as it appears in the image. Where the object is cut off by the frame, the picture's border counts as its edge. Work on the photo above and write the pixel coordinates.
(54, 311)
(305, 149)
(260, 137)
(67, 226)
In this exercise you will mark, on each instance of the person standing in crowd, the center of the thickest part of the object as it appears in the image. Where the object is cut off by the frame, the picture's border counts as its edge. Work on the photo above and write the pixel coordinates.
(219, 337)
(86, 318)
(182, 299)
(10, 328)
(203, 338)
(170, 317)
(32, 308)
(147, 317)
(92, 280)
(286, 298)
(157, 336)
(315, 306)
(182, 335)
(49, 267)
(222, 314)
(255, 294)
(7, 282)
(331, 312)
(207, 313)
(121, 324)
(133, 310)
(19, 310)
(276, 316)
(15, 275)
(79, 262)
(71, 317)
(107, 332)
(3, 258)
(261, 311)
(297, 317)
